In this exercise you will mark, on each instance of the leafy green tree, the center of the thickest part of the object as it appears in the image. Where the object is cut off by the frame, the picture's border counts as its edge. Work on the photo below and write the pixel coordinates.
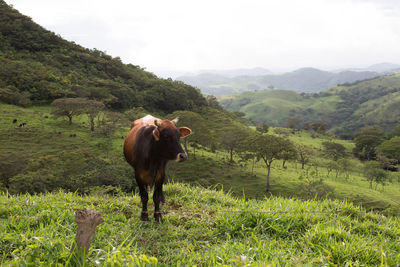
(231, 137)
(333, 150)
(292, 122)
(305, 153)
(212, 102)
(374, 173)
(332, 165)
(288, 153)
(319, 127)
(262, 128)
(92, 108)
(313, 185)
(68, 107)
(268, 148)
(366, 142)
(345, 166)
(390, 148)
(201, 133)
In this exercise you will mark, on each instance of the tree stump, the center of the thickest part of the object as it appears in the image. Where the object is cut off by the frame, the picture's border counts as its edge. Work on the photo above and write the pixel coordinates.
(87, 221)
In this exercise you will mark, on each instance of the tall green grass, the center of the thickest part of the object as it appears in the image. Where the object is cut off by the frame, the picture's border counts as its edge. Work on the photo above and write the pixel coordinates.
(201, 227)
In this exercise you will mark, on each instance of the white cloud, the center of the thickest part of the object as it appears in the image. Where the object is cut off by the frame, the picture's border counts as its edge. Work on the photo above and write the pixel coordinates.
(217, 34)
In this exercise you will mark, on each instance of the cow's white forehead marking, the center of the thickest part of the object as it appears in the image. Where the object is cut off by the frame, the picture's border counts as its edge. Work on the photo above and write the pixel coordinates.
(148, 119)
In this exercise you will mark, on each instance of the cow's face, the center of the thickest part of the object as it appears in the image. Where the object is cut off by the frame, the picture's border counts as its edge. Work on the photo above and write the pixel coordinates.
(168, 136)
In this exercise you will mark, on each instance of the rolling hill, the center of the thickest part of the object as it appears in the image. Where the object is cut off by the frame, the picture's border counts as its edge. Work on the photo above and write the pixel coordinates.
(301, 80)
(346, 108)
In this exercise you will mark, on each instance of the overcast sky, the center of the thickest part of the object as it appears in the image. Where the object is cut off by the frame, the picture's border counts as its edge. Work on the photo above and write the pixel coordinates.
(189, 35)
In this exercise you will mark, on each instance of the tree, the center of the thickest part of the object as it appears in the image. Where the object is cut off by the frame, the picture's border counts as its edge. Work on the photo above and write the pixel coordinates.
(366, 142)
(374, 173)
(345, 166)
(68, 107)
(201, 134)
(112, 121)
(262, 128)
(232, 137)
(268, 148)
(92, 109)
(305, 153)
(288, 153)
(319, 127)
(292, 122)
(334, 150)
(390, 148)
(332, 165)
(212, 102)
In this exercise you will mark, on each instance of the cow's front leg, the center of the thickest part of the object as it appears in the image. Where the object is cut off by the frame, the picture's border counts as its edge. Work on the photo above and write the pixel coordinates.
(157, 199)
(144, 196)
(163, 201)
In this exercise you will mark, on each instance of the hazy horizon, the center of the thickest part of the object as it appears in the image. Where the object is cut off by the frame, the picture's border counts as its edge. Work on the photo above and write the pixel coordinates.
(274, 71)
(181, 36)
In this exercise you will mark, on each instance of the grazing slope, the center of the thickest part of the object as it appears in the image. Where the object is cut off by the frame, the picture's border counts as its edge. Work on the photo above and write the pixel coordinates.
(51, 159)
(201, 227)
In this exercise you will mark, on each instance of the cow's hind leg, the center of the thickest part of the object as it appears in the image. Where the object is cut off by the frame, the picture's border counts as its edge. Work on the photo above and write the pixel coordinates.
(144, 196)
(157, 195)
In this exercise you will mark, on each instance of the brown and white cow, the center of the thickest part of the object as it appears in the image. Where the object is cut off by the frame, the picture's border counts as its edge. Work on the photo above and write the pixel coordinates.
(149, 145)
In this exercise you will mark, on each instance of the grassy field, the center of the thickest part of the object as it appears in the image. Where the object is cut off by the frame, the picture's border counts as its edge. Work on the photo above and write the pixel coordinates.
(223, 218)
(47, 139)
(201, 228)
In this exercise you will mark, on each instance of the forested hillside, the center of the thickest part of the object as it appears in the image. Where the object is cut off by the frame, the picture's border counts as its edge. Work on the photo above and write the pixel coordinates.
(39, 66)
(345, 108)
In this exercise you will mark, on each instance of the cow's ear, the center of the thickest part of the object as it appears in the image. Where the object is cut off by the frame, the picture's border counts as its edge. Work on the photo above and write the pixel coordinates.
(156, 134)
(185, 131)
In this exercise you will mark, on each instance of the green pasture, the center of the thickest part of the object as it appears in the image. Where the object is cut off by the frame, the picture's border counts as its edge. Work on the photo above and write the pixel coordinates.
(201, 227)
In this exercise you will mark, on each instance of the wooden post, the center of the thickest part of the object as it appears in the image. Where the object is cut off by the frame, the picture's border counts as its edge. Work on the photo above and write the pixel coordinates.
(87, 221)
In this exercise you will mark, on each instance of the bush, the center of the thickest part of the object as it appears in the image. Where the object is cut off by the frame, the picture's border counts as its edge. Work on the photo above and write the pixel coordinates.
(11, 164)
(11, 95)
(34, 182)
(75, 174)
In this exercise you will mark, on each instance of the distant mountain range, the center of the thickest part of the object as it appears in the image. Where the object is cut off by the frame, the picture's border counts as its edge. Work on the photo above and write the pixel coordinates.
(381, 67)
(308, 80)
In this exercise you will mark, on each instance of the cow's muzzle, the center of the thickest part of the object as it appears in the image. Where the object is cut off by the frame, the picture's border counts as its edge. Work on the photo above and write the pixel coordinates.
(181, 157)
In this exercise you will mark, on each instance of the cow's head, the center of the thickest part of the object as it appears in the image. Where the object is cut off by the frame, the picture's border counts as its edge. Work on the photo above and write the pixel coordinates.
(168, 136)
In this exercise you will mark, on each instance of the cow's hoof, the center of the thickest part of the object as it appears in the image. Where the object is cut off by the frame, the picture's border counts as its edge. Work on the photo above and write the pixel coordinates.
(144, 217)
(158, 218)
